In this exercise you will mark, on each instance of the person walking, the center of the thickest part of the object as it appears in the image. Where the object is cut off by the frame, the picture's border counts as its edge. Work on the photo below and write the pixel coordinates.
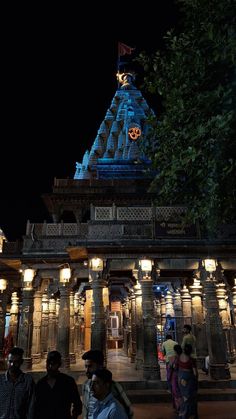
(189, 339)
(188, 383)
(57, 395)
(17, 389)
(106, 405)
(94, 360)
(169, 353)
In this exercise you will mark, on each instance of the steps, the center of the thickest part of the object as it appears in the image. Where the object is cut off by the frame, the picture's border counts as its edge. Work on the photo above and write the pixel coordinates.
(156, 391)
(163, 396)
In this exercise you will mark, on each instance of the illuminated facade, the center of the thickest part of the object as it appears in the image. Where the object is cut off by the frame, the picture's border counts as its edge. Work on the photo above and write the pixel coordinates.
(114, 269)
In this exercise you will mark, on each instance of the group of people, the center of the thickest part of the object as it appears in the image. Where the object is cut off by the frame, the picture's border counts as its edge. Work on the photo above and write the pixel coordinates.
(56, 395)
(182, 373)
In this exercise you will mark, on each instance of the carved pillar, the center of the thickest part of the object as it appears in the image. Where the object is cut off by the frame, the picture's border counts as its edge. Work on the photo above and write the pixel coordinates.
(223, 305)
(63, 335)
(234, 313)
(76, 323)
(163, 312)
(14, 315)
(218, 366)
(98, 336)
(81, 324)
(37, 319)
(139, 325)
(169, 304)
(178, 316)
(26, 326)
(170, 322)
(186, 305)
(151, 368)
(224, 314)
(126, 325)
(72, 329)
(52, 324)
(132, 328)
(199, 327)
(3, 305)
(234, 300)
(44, 326)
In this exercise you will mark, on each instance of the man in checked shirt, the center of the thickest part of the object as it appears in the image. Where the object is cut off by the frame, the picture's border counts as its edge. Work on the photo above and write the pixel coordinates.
(17, 389)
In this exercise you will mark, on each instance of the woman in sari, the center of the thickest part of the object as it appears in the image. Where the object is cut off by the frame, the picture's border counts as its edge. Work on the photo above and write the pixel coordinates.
(173, 367)
(187, 381)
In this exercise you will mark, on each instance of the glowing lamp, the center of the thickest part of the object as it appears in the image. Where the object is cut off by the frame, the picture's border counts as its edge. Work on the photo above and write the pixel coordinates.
(65, 275)
(96, 264)
(210, 265)
(3, 284)
(146, 265)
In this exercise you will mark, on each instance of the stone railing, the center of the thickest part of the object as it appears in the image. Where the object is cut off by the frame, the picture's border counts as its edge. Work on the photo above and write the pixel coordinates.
(35, 230)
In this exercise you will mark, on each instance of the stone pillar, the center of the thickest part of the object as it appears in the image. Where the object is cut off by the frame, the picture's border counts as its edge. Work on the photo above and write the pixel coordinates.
(225, 318)
(163, 313)
(151, 368)
(98, 336)
(26, 326)
(223, 305)
(186, 305)
(77, 323)
(169, 304)
(199, 326)
(3, 305)
(81, 324)
(139, 326)
(234, 301)
(37, 319)
(234, 312)
(52, 324)
(178, 316)
(218, 366)
(158, 312)
(14, 315)
(72, 329)
(44, 326)
(133, 328)
(63, 335)
(126, 325)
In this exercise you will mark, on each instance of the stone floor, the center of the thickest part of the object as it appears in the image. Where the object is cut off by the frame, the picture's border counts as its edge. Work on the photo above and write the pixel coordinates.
(122, 369)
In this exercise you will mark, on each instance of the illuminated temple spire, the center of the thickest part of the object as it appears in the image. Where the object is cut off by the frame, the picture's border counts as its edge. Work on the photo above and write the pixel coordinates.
(116, 150)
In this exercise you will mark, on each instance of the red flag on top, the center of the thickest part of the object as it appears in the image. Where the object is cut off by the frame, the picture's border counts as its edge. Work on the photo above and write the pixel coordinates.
(124, 49)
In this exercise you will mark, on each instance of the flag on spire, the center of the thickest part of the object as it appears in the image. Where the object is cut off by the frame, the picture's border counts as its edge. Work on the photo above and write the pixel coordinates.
(124, 49)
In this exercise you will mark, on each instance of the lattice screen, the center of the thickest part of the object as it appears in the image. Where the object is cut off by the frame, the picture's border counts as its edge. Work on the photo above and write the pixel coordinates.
(69, 229)
(103, 213)
(134, 213)
(53, 229)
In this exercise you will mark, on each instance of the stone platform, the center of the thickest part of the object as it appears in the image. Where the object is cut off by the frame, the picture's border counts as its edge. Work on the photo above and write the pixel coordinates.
(141, 391)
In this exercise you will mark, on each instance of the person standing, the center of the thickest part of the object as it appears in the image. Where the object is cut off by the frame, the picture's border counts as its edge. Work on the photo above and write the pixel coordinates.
(17, 389)
(169, 353)
(189, 339)
(188, 383)
(94, 360)
(106, 405)
(57, 395)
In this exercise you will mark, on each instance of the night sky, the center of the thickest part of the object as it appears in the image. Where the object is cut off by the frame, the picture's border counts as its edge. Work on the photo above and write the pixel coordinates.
(59, 81)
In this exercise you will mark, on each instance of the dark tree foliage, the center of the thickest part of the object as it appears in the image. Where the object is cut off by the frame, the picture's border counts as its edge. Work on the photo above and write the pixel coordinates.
(193, 145)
